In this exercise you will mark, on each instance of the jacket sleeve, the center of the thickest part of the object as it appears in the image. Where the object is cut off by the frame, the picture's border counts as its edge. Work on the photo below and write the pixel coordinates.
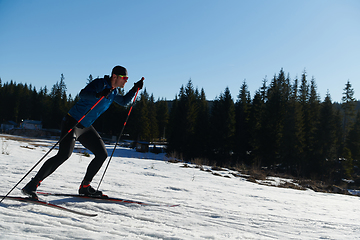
(124, 100)
(90, 91)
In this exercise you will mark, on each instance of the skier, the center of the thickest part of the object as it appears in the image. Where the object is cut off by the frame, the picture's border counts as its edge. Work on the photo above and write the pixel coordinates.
(84, 132)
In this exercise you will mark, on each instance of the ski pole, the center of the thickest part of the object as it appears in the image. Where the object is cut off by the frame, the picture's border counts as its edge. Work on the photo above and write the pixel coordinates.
(118, 139)
(51, 149)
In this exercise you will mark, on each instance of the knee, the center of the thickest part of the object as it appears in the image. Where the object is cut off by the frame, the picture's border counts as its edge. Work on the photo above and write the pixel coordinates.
(64, 155)
(102, 155)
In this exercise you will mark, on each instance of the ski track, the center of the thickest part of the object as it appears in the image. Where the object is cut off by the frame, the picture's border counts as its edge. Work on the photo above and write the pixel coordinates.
(211, 207)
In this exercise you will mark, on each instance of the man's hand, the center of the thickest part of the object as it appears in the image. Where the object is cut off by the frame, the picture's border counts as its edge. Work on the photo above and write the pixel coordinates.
(138, 85)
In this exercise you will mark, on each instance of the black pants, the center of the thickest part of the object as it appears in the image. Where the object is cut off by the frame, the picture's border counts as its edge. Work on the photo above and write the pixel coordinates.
(88, 137)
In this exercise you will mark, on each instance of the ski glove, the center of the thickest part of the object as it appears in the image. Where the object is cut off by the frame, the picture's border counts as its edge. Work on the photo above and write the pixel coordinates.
(106, 92)
(138, 85)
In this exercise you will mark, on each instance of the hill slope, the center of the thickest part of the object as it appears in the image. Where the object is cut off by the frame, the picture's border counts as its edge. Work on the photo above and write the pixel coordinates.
(211, 207)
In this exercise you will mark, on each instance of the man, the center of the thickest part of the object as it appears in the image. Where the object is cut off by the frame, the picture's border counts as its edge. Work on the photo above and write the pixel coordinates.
(84, 132)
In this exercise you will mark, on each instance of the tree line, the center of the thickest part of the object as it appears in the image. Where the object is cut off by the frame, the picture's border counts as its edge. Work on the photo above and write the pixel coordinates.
(285, 126)
(22, 101)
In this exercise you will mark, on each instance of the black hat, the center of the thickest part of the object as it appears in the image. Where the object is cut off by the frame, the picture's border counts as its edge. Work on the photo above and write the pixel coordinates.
(119, 70)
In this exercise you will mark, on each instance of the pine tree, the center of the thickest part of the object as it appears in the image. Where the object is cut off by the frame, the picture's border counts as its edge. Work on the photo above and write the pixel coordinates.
(326, 138)
(223, 128)
(274, 114)
(201, 135)
(176, 124)
(44, 106)
(183, 117)
(348, 105)
(154, 128)
(293, 138)
(339, 133)
(243, 129)
(353, 140)
(34, 99)
(59, 103)
(162, 116)
(304, 89)
(191, 114)
(304, 97)
(174, 131)
(23, 101)
(9, 109)
(142, 121)
(313, 118)
(256, 121)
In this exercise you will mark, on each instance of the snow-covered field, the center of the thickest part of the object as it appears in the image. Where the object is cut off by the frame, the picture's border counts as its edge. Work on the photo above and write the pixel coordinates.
(211, 207)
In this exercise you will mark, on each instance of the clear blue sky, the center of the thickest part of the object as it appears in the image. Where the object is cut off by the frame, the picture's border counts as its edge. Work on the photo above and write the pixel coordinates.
(216, 43)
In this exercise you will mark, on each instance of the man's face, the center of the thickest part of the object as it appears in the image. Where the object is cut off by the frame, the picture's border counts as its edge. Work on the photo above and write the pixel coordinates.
(120, 81)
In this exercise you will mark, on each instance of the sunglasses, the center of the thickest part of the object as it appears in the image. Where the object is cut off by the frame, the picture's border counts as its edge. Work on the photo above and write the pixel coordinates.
(124, 77)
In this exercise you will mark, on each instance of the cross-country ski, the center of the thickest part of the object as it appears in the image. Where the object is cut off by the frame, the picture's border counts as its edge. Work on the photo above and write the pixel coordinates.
(47, 204)
(108, 199)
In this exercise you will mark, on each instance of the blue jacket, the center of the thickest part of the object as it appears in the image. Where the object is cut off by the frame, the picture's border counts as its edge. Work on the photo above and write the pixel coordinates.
(88, 99)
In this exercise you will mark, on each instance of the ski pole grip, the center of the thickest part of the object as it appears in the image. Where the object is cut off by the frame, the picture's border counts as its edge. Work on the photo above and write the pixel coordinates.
(142, 79)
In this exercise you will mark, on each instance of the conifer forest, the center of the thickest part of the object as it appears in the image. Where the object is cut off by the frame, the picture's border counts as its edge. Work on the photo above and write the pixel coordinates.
(284, 126)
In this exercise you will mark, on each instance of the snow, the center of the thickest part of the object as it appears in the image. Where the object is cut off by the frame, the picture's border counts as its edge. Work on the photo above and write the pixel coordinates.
(211, 207)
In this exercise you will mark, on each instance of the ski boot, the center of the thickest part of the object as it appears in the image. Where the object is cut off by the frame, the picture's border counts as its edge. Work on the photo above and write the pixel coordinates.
(30, 189)
(86, 190)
